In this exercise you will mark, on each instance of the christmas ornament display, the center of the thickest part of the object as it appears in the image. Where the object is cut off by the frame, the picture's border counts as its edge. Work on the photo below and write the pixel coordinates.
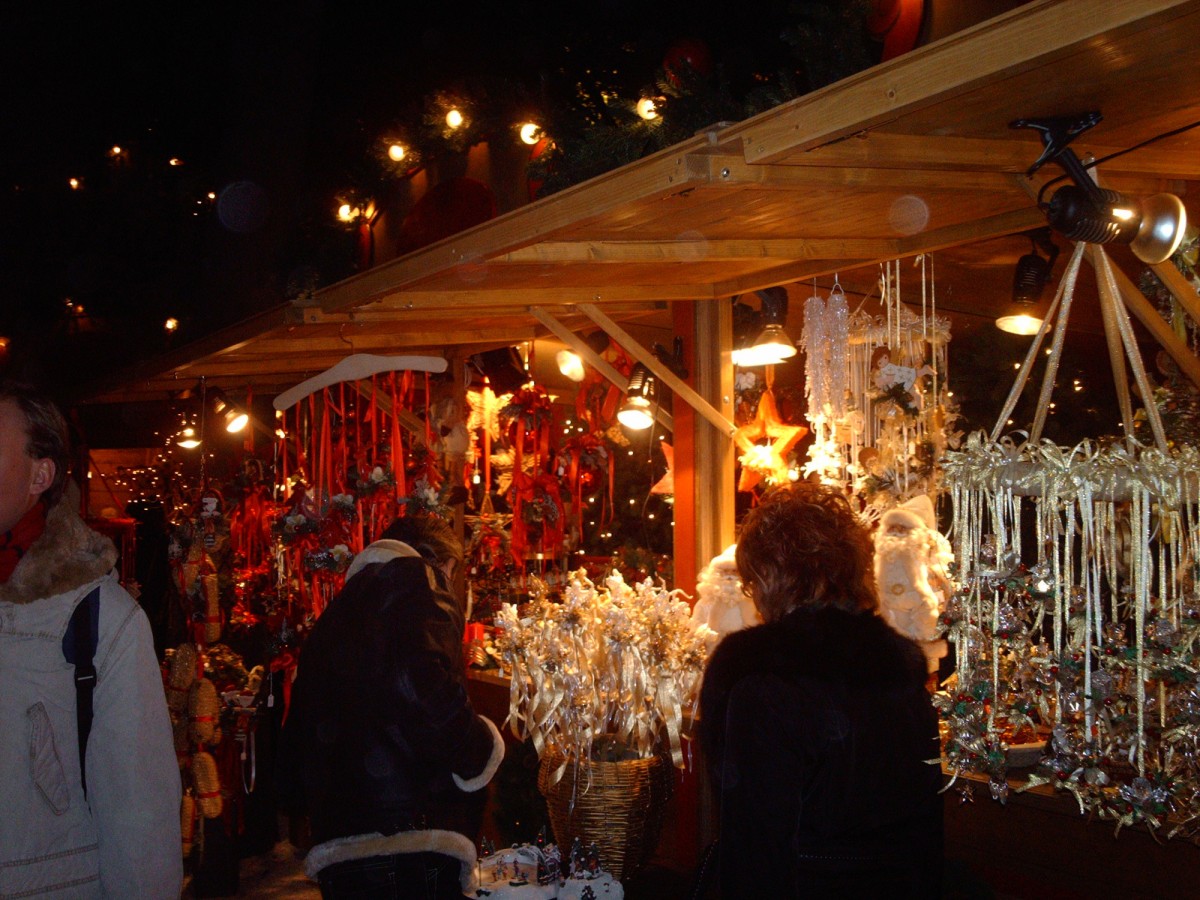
(1078, 615)
(612, 660)
(876, 392)
(1077, 622)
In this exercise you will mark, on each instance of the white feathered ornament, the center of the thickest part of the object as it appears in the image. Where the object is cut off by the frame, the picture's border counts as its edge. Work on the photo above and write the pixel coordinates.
(911, 569)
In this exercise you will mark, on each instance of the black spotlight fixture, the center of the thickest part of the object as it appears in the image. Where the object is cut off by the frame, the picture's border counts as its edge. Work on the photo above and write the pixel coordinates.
(1152, 226)
(233, 418)
(1029, 282)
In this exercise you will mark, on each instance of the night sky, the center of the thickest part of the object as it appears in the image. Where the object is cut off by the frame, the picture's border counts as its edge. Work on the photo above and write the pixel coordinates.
(273, 107)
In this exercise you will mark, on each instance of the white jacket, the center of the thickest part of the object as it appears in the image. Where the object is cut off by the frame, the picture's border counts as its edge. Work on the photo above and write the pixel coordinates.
(123, 840)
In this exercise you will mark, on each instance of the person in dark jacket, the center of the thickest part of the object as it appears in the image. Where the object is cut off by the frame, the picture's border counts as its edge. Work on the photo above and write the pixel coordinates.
(817, 727)
(381, 743)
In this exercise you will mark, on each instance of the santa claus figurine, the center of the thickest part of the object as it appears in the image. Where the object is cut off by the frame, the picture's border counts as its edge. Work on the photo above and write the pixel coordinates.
(722, 606)
(911, 569)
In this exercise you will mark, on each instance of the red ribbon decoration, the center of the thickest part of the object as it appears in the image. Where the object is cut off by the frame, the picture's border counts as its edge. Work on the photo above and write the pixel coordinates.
(286, 662)
(597, 400)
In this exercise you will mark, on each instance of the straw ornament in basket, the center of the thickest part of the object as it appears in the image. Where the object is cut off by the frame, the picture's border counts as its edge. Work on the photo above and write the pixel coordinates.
(599, 685)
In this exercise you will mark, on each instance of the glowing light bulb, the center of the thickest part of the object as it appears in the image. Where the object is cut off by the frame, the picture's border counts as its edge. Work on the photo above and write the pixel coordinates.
(174, 161)
(171, 324)
(454, 118)
(396, 152)
(531, 133)
(74, 182)
(646, 109)
(345, 212)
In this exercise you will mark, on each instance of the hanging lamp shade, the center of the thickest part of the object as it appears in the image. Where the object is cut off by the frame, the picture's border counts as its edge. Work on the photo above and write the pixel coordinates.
(637, 413)
(772, 345)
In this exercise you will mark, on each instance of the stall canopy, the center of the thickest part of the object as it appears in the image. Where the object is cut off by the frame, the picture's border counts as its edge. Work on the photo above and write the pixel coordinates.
(913, 155)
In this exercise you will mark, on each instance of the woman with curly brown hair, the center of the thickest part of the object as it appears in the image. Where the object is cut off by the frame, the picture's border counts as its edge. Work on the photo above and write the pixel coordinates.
(816, 726)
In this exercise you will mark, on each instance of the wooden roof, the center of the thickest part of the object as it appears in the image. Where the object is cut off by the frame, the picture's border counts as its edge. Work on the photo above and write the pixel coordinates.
(910, 156)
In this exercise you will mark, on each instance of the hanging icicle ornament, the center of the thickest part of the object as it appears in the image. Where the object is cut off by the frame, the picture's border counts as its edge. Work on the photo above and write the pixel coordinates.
(876, 392)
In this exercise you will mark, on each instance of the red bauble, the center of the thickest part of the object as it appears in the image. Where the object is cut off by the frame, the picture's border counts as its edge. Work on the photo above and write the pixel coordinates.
(685, 55)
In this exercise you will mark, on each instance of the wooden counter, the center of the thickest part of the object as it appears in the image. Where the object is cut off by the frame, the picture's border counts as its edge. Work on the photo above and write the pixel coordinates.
(1038, 845)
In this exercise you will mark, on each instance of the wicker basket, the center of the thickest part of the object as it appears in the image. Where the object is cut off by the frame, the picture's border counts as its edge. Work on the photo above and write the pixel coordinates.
(621, 808)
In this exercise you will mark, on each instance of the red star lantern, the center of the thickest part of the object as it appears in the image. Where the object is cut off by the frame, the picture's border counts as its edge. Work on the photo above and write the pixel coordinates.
(767, 460)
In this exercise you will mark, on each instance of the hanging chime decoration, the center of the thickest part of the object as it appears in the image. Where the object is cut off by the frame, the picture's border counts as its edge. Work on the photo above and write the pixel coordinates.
(1077, 620)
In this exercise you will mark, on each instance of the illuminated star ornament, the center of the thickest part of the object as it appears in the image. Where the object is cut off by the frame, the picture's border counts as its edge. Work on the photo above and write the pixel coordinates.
(765, 460)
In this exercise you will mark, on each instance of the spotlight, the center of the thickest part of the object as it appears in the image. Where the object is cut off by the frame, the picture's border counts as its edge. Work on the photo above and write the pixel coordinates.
(235, 419)
(1152, 226)
(772, 345)
(1029, 280)
(638, 411)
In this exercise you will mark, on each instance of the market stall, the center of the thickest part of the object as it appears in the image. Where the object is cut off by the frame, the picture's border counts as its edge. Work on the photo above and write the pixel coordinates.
(901, 186)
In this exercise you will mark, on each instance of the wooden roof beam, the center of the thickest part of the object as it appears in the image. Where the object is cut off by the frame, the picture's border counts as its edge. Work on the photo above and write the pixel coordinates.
(375, 341)
(505, 298)
(236, 335)
(939, 239)
(698, 250)
(1023, 39)
(377, 314)
(730, 171)
(885, 150)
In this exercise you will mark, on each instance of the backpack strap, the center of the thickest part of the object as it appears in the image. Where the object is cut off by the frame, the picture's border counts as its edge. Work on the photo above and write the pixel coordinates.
(79, 647)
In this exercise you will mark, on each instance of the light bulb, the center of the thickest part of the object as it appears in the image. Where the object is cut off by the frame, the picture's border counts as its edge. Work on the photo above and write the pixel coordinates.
(531, 133)
(396, 152)
(646, 109)
(454, 118)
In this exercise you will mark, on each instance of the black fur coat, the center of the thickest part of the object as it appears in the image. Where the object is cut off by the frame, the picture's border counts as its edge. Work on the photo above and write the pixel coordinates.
(817, 731)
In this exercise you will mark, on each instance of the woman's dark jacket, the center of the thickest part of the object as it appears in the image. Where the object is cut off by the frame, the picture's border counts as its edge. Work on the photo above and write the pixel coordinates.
(380, 722)
(817, 731)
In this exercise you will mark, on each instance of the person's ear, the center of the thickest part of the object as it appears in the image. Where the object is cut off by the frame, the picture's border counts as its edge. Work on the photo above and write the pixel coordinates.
(42, 476)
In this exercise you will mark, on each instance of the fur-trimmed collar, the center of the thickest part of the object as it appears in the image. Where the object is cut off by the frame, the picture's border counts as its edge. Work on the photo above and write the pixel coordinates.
(68, 555)
(447, 843)
(826, 644)
(381, 551)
